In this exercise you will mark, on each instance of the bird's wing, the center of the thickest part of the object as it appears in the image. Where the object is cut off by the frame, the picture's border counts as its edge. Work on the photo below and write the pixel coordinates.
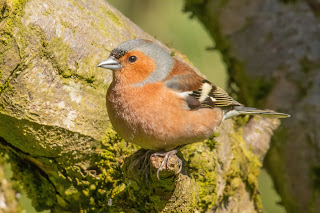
(211, 96)
(197, 91)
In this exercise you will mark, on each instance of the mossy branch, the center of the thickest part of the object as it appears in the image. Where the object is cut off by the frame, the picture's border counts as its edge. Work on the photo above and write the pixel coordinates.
(54, 125)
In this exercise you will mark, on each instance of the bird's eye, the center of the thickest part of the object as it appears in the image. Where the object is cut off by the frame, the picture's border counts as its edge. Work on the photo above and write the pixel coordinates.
(132, 59)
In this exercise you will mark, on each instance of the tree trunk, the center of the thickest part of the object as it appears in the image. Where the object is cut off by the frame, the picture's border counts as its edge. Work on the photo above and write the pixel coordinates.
(54, 125)
(272, 51)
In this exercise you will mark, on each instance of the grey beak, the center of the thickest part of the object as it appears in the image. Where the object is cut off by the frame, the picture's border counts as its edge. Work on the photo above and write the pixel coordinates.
(110, 63)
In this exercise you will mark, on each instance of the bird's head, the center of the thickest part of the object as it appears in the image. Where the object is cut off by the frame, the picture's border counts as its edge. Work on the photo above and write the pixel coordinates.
(139, 62)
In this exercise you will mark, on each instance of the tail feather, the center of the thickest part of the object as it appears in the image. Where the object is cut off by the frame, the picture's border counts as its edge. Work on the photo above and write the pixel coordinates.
(242, 110)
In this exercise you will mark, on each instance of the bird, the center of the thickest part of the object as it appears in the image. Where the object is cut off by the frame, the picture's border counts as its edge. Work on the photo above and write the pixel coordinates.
(160, 103)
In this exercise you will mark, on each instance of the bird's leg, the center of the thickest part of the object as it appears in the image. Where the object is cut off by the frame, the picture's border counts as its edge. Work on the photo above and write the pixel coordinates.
(166, 160)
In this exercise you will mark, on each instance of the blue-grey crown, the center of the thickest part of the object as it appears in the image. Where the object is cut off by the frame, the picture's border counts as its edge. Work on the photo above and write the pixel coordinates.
(162, 58)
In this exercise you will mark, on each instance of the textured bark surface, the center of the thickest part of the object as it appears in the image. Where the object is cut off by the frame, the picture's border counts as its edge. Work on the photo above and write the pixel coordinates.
(54, 124)
(272, 51)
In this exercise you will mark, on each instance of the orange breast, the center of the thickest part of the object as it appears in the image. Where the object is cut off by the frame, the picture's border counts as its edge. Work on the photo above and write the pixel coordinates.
(156, 118)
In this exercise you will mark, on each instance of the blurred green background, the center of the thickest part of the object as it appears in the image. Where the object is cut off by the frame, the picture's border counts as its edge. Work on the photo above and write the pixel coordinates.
(166, 21)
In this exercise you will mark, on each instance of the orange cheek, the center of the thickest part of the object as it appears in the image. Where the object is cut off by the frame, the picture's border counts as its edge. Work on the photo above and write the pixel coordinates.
(138, 71)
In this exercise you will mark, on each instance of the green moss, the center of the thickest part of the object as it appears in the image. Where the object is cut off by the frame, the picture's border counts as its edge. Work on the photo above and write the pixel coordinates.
(103, 180)
(14, 7)
(65, 181)
(201, 167)
(241, 121)
(244, 168)
(21, 134)
(79, 6)
(10, 53)
(58, 51)
(147, 194)
(173, 53)
(114, 18)
(211, 142)
(11, 15)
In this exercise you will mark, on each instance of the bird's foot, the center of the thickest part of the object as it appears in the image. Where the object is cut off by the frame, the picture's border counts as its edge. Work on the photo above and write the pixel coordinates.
(166, 163)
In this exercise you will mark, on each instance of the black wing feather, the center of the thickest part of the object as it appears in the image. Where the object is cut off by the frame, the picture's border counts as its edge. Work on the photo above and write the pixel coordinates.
(211, 96)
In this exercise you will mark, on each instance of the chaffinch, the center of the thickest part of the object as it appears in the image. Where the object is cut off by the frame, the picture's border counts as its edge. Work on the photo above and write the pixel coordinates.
(160, 103)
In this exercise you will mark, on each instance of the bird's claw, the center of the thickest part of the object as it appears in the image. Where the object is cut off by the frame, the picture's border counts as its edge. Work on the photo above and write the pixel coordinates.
(166, 160)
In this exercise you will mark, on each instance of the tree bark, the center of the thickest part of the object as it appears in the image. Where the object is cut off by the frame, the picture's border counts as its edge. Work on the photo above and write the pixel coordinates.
(272, 52)
(54, 125)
